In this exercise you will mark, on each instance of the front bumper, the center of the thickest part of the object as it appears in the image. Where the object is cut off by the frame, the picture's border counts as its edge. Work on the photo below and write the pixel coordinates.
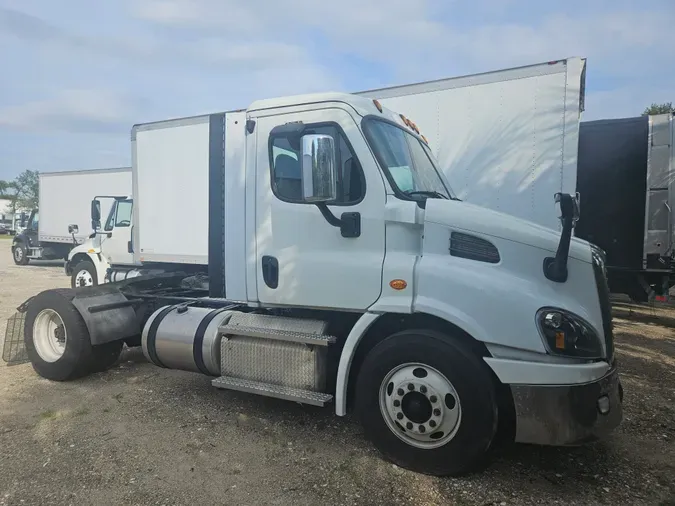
(567, 414)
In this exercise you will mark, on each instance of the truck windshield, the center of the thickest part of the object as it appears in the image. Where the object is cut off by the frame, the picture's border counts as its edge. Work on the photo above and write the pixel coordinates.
(408, 161)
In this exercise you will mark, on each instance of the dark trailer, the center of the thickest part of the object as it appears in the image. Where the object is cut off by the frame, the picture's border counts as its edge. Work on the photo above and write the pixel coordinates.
(625, 182)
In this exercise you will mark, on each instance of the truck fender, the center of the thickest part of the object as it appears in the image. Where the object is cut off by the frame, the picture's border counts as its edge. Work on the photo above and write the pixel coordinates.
(366, 321)
(100, 263)
(107, 313)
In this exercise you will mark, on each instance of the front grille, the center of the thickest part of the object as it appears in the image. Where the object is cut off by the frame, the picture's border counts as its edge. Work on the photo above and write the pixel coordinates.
(603, 295)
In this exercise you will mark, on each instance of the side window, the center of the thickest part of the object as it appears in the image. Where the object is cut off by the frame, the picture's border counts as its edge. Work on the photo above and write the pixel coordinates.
(123, 216)
(286, 175)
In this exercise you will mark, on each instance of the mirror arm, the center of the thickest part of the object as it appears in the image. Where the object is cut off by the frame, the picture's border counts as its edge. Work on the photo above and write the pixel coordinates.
(555, 268)
(349, 223)
(328, 215)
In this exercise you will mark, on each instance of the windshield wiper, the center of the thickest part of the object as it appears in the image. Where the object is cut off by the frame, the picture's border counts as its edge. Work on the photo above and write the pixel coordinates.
(425, 193)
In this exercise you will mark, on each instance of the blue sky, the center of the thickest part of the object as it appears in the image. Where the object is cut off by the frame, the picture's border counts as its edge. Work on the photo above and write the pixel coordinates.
(76, 74)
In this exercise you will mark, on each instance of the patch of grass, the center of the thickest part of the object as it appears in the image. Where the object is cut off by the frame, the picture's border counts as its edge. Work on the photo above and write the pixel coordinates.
(81, 412)
(50, 414)
(5, 236)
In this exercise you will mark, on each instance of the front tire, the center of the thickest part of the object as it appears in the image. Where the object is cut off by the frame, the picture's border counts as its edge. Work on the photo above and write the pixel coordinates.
(20, 254)
(84, 274)
(427, 403)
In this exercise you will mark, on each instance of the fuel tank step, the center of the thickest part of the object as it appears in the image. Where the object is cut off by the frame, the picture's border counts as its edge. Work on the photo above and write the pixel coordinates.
(269, 390)
(295, 330)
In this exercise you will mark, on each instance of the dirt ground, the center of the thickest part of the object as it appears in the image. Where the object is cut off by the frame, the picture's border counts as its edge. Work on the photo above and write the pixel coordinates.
(142, 435)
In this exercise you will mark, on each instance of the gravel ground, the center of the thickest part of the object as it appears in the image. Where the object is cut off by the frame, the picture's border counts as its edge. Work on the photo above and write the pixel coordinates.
(138, 434)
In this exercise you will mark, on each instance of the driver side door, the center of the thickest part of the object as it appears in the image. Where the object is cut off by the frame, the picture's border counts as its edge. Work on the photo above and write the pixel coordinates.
(116, 247)
(301, 259)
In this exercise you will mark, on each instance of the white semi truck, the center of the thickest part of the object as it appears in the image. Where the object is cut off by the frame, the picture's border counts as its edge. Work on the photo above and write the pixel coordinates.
(343, 269)
(506, 140)
(62, 220)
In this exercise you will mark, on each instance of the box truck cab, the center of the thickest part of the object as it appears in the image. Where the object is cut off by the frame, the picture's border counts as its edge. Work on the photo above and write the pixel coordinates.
(342, 268)
(89, 263)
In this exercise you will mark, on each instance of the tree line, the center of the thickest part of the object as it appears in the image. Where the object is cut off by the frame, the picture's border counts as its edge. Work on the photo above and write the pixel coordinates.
(23, 191)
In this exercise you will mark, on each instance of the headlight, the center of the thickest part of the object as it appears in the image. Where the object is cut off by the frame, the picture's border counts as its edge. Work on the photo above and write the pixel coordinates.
(567, 334)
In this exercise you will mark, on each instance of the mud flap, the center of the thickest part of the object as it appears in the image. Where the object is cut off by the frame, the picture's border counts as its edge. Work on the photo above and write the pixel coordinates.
(108, 315)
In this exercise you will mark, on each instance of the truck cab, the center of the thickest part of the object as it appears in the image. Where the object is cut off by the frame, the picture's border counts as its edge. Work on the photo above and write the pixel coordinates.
(27, 240)
(342, 269)
(88, 263)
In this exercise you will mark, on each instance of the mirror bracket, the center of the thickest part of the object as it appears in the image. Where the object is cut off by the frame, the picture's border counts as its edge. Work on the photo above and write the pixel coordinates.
(348, 223)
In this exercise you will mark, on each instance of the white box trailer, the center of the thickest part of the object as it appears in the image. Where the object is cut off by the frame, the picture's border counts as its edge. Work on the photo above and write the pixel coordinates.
(65, 201)
(506, 140)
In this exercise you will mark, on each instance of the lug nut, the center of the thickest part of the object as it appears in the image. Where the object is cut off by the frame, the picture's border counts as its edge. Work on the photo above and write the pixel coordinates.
(432, 423)
(433, 398)
(422, 429)
(411, 386)
(437, 412)
(397, 403)
(399, 416)
(423, 389)
(409, 425)
(400, 391)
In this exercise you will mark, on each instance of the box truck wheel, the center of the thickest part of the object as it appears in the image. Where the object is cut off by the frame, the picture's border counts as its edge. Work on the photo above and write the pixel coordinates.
(427, 403)
(20, 254)
(56, 337)
(84, 274)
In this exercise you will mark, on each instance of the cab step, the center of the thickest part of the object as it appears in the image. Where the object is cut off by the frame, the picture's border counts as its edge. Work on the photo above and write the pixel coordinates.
(270, 390)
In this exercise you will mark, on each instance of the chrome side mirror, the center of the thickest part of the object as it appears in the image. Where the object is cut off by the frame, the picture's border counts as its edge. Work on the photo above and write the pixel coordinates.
(318, 168)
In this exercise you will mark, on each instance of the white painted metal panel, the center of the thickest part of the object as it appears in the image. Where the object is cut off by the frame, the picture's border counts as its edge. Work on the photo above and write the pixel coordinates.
(171, 188)
(65, 199)
(235, 206)
(506, 140)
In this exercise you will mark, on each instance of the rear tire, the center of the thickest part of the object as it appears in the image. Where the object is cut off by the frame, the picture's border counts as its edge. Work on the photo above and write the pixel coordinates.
(84, 274)
(77, 355)
(20, 254)
(449, 387)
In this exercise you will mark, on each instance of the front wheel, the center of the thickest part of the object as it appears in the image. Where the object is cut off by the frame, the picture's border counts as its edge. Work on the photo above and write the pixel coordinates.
(427, 403)
(20, 254)
(84, 274)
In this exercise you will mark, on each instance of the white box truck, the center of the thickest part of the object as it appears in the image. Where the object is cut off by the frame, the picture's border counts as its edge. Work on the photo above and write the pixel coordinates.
(342, 268)
(506, 140)
(62, 219)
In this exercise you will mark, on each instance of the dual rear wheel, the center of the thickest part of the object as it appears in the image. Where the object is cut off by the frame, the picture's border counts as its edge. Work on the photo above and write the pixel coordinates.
(57, 340)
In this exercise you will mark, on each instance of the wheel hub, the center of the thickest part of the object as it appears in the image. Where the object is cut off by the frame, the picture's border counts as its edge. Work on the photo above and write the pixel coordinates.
(416, 407)
(84, 278)
(49, 335)
(420, 405)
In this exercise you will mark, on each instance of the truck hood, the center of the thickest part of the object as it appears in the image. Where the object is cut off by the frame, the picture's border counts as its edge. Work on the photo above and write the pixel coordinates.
(469, 217)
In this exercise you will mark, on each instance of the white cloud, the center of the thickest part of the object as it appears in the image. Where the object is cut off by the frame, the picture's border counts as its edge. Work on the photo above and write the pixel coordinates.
(83, 109)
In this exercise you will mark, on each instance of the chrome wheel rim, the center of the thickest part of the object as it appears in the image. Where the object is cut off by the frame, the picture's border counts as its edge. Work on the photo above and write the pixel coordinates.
(84, 278)
(18, 254)
(49, 335)
(420, 405)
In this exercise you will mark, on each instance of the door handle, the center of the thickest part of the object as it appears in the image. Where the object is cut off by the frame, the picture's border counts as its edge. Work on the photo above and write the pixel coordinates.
(270, 271)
